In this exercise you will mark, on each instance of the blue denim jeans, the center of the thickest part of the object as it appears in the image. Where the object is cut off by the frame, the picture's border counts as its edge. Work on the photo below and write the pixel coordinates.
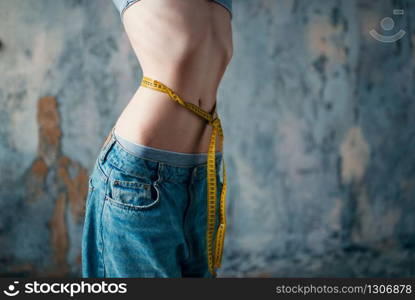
(146, 215)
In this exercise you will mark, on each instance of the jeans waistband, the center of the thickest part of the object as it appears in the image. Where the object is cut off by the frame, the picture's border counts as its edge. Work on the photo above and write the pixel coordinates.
(165, 156)
(146, 162)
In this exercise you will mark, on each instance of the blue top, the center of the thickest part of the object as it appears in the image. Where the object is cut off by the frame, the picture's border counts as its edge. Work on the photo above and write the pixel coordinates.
(123, 4)
(226, 3)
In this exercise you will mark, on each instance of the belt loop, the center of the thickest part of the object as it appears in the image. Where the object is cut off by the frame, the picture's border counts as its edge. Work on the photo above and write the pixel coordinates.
(106, 147)
(194, 174)
(156, 175)
(159, 171)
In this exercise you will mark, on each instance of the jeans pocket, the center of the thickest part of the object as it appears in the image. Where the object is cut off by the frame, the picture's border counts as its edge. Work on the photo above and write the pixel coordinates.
(133, 194)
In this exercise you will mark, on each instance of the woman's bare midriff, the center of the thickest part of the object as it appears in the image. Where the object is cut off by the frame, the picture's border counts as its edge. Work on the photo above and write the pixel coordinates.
(187, 45)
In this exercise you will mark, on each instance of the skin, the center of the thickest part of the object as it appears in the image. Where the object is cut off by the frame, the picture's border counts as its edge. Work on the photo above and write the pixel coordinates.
(187, 45)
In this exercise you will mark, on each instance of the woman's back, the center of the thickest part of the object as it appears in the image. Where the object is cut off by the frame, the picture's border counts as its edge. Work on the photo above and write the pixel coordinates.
(186, 45)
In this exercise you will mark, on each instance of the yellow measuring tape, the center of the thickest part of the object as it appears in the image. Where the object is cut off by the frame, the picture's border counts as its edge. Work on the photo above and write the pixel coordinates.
(214, 259)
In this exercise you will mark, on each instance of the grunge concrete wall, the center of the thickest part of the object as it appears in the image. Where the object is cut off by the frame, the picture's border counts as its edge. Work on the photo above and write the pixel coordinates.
(319, 122)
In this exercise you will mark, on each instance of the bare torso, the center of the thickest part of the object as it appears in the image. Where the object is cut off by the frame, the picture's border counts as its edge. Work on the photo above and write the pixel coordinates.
(186, 45)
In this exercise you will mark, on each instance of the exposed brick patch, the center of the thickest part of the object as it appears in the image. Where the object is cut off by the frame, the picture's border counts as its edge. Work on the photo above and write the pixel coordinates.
(36, 179)
(76, 188)
(49, 177)
(49, 128)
